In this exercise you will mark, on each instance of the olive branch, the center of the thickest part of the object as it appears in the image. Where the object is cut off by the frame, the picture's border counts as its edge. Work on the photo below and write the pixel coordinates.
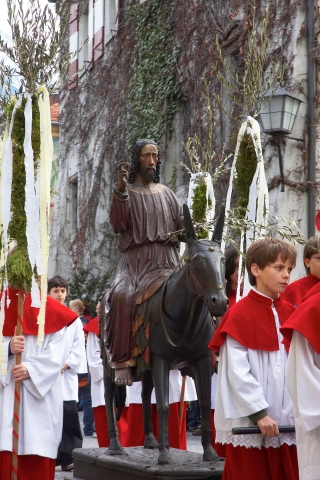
(37, 53)
(247, 91)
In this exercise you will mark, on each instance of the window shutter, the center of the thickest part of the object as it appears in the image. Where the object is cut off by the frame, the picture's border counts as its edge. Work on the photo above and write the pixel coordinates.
(73, 45)
(90, 33)
(98, 32)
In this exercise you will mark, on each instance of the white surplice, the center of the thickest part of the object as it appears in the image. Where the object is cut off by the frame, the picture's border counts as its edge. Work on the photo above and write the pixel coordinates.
(75, 358)
(96, 369)
(41, 397)
(175, 388)
(303, 381)
(250, 381)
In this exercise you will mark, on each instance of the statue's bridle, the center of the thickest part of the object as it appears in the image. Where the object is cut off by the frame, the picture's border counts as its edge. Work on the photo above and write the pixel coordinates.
(208, 246)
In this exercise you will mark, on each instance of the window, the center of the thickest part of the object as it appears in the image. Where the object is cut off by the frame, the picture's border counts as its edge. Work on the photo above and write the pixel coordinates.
(73, 45)
(83, 56)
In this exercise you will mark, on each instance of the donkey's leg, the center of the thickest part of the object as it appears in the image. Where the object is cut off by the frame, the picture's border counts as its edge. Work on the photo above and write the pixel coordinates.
(115, 447)
(203, 384)
(160, 372)
(150, 440)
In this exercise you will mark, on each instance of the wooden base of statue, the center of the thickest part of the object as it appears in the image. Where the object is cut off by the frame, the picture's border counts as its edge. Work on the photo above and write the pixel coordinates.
(141, 463)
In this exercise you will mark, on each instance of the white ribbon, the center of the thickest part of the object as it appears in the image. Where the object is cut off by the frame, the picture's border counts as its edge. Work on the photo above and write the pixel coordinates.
(230, 188)
(32, 212)
(3, 363)
(46, 153)
(6, 189)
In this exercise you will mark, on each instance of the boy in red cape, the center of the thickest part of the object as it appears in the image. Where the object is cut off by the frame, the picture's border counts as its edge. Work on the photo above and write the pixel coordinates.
(311, 258)
(251, 379)
(41, 400)
(303, 382)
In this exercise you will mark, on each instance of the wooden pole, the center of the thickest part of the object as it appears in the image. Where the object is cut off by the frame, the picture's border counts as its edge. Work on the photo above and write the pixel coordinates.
(16, 408)
(181, 403)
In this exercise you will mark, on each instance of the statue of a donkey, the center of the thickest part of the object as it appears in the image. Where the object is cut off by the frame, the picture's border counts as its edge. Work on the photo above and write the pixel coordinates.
(181, 326)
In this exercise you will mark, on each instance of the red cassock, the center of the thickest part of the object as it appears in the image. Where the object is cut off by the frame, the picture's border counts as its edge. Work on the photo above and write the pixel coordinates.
(99, 412)
(176, 426)
(295, 292)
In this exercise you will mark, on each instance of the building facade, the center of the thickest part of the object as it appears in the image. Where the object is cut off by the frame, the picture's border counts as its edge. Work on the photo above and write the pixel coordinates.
(141, 74)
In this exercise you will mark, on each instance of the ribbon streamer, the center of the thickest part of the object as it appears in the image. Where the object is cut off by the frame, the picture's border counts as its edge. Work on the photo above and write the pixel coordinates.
(5, 215)
(46, 153)
(32, 213)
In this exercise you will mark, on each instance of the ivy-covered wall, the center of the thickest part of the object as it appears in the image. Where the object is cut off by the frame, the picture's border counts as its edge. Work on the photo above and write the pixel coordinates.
(149, 83)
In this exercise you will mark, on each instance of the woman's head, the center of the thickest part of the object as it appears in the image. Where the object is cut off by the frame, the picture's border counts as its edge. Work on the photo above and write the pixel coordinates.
(232, 269)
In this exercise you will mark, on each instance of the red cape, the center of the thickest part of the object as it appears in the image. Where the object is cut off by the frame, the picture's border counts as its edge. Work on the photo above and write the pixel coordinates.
(295, 292)
(57, 316)
(305, 320)
(313, 291)
(232, 298)
(251, 322)
(92, 326)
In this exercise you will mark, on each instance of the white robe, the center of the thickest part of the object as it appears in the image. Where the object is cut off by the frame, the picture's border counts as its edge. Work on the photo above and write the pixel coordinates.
(303, 380)
(175, 385)
(41, 403)
(250, 381)
(75, 358)
(96, 369)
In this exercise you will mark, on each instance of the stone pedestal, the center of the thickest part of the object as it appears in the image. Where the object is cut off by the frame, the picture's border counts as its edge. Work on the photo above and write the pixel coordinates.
(140, 463)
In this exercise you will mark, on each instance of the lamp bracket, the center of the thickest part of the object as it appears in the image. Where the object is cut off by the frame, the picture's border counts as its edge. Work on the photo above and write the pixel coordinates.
(294, 138)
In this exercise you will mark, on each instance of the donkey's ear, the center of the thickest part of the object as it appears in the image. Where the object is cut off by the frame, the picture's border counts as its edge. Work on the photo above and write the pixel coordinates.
(218, 230)
(188, 225)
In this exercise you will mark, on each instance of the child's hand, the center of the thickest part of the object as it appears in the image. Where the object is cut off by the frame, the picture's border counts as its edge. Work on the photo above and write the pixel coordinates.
(64, 368)
(268, 427)
(20, 372)
(17, 343)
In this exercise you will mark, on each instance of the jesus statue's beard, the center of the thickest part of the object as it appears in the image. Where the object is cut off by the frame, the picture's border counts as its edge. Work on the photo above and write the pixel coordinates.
(147, 174)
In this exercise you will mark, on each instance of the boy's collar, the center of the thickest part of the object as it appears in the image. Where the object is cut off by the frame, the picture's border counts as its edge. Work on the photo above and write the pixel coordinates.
(263, 295)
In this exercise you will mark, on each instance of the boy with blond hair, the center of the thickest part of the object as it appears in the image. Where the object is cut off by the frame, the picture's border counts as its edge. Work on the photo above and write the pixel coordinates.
(311, 259)
(251, 380)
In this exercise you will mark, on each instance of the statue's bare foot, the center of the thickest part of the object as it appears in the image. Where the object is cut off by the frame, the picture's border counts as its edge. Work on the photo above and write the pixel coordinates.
(123, 376)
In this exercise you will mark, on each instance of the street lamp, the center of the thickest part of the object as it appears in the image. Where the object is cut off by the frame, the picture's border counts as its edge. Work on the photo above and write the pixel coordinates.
(277, 118)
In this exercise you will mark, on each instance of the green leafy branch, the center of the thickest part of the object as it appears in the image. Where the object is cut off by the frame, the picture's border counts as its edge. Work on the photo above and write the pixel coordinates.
(201, 154)
(37, 45)
(235, 223)
(248, 89)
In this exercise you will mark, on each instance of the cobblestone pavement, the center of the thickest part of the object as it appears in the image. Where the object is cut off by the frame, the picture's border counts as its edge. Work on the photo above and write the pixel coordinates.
(193, 444)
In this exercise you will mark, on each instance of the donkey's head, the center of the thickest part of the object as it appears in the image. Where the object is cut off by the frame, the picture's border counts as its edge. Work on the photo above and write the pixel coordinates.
(206, 265)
